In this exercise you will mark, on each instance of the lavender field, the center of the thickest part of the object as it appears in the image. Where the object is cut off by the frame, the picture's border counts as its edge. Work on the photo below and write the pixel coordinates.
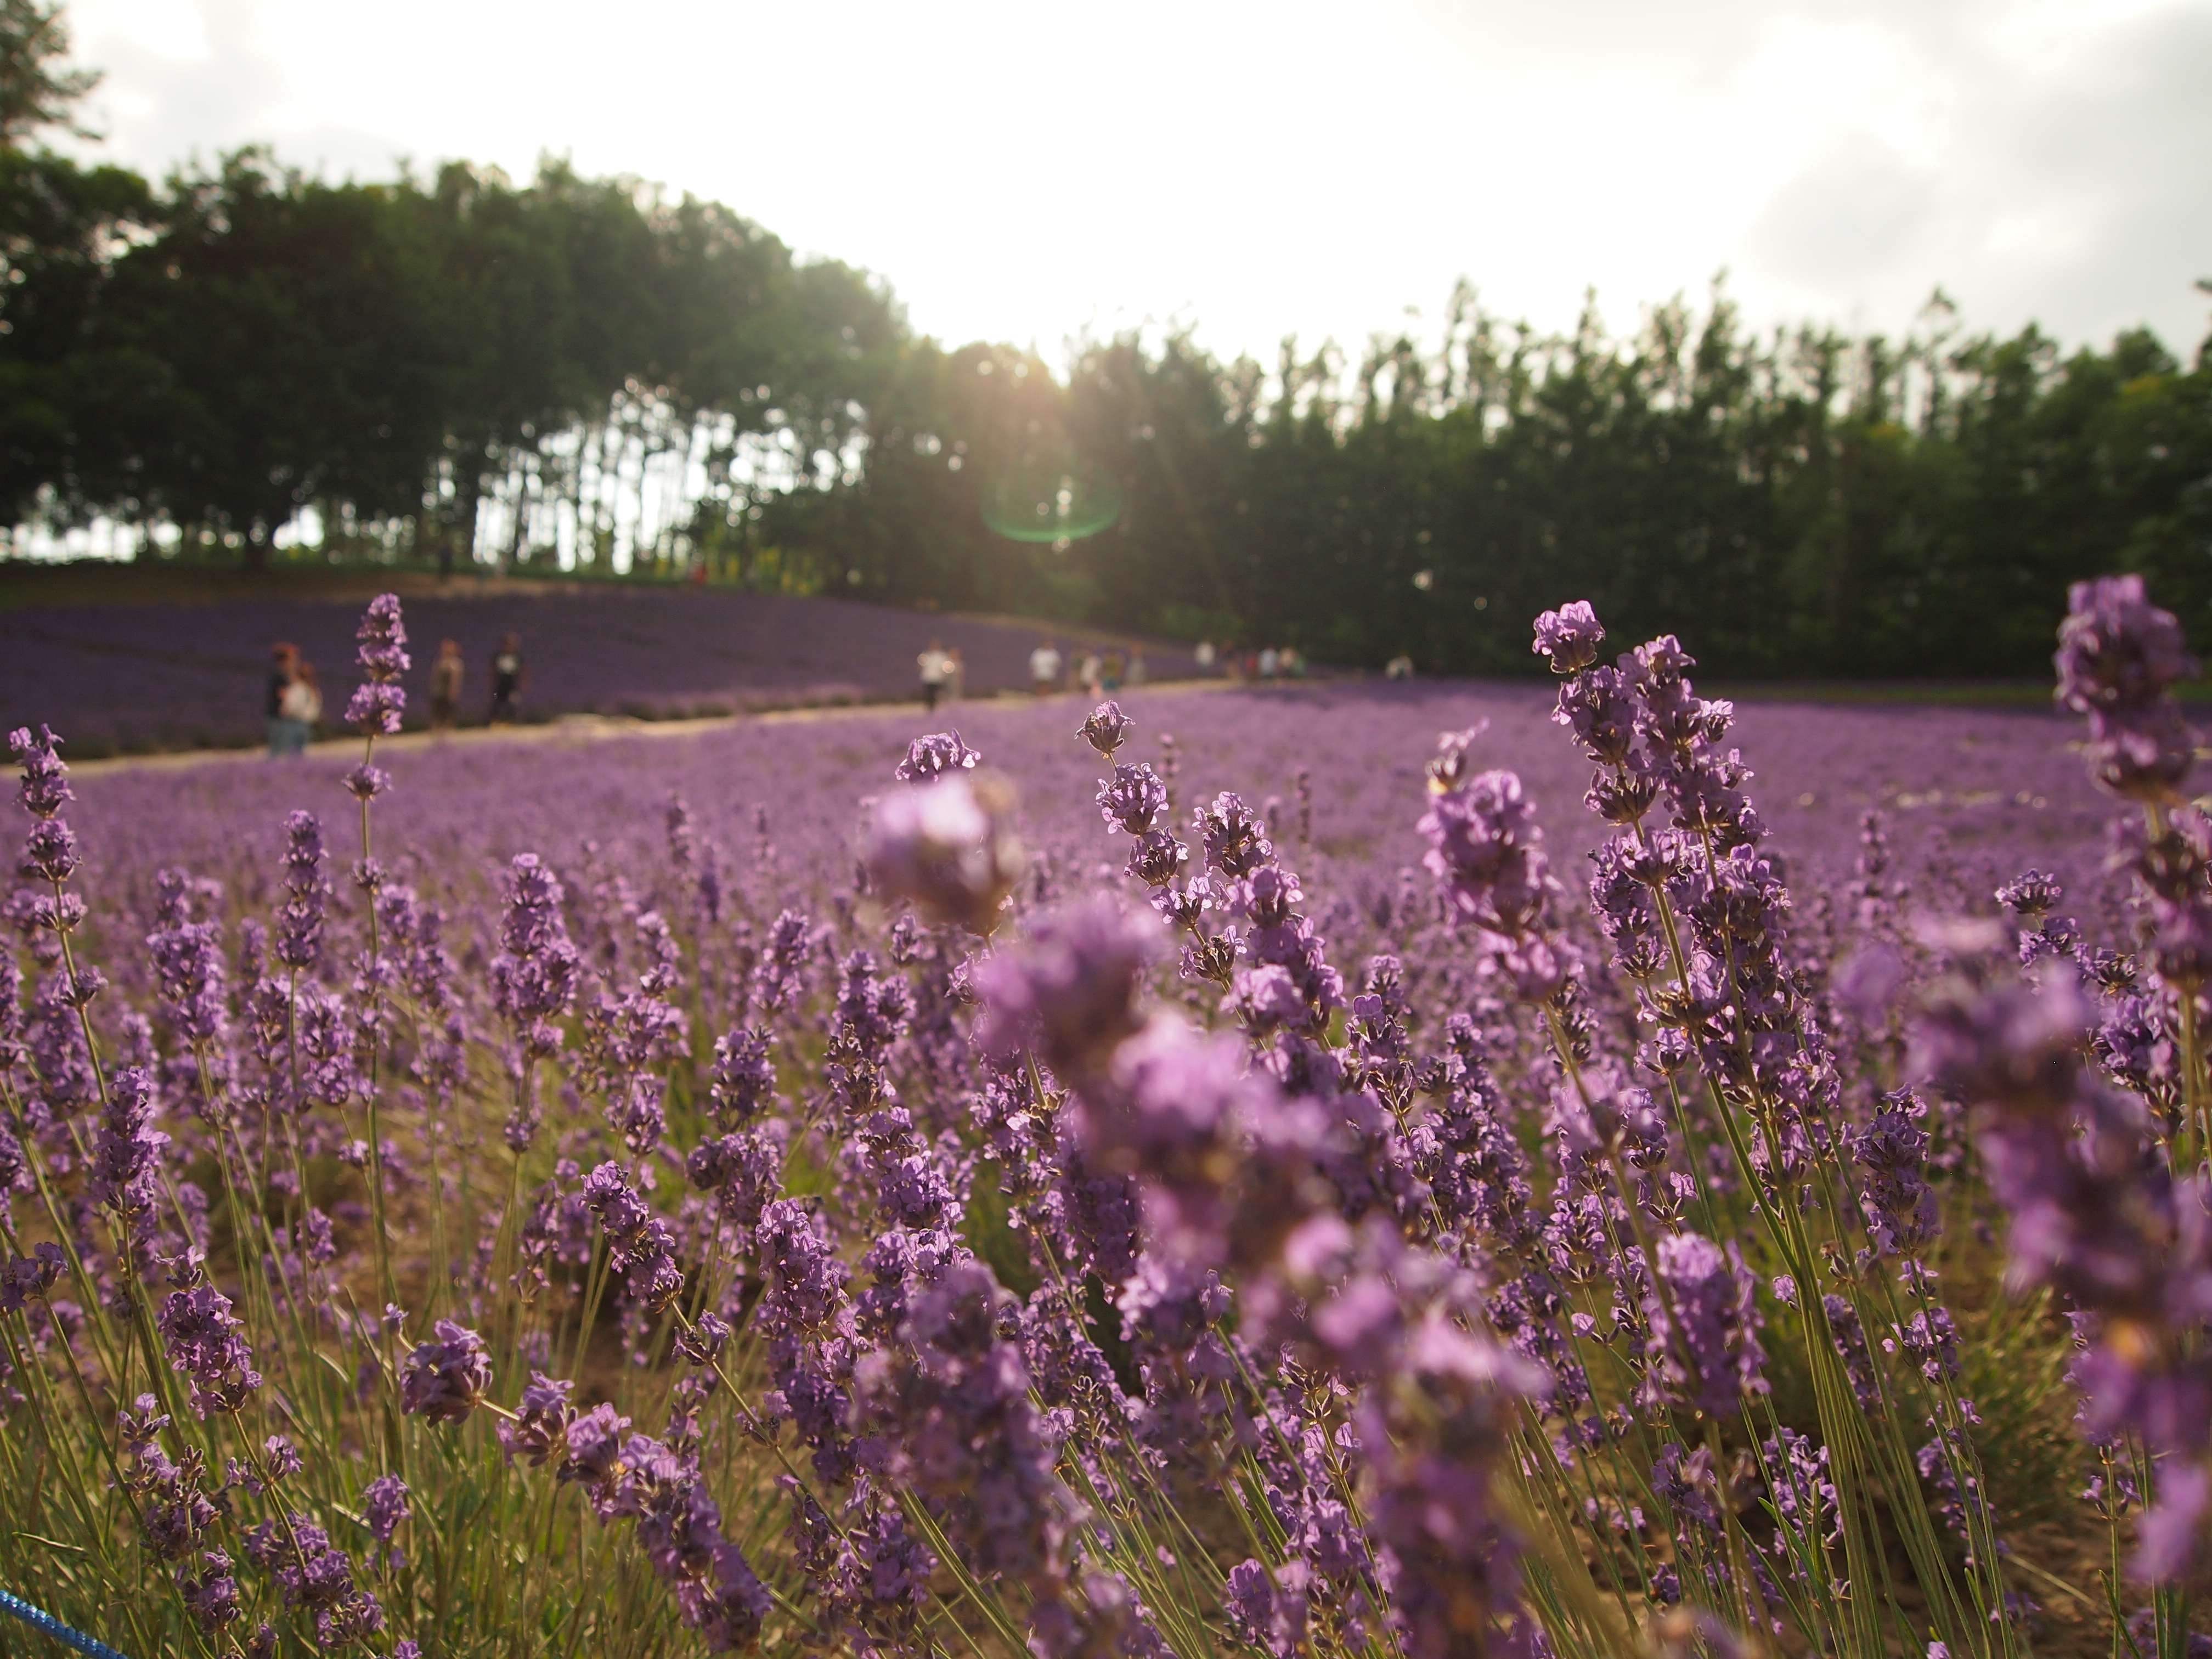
(2002, 789)
(146, 676)
(1254, 1177)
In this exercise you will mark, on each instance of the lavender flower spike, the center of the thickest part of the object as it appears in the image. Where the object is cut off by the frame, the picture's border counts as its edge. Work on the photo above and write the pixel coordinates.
(934, 756)
(1712, 1359)
(443, 1378)
(1568, 638)
(1071, 990)
(377, 703)
(1106, 730)
(951, 847)
(2118, 657)
(45, 779)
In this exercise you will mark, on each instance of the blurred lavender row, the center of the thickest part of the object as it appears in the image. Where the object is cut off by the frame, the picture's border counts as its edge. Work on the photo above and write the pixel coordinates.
(133, 676)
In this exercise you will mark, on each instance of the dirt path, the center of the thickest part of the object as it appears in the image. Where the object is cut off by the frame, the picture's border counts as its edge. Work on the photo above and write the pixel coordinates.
(571, 729)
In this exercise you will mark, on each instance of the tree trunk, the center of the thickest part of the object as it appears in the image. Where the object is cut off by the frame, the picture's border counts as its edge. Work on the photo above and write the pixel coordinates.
(468, 488)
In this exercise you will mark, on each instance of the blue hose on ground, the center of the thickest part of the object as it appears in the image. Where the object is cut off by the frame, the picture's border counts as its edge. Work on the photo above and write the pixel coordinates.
(38, 1619)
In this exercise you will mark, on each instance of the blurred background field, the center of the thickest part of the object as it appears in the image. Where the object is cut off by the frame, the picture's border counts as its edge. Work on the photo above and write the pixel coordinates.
(181, 673)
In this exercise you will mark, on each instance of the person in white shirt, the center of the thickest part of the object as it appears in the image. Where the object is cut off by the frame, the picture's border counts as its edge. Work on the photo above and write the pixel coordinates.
(1268, 660)
(1044, 669)
(1203, 656)
(936, 672)
(299, 708)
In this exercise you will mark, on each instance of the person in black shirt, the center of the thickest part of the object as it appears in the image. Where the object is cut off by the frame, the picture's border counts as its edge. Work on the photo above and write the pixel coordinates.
(507, 674)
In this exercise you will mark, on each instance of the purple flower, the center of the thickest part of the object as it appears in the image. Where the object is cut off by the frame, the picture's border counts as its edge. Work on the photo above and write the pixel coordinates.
(1236, 839)
(298, 942)
(205, 1339)
(366, 782)
(2116, 649)
(1712, 1358)
(1483, 848)
(26, 1278)
(1134, 800)
(1179, 1114)
(1447, 768)
(49, 852)
(443, 1379)
(1434, 1438)
(534, 976)
(45, 778)
(934, 756)
(383, 649)
(1269, 1612)
(1595, 706)
(950, 847)
(375, 709)
(2034, 895)
(212, 1597)
(639, 1246)
(126, 1153)
(317, 1579)
(1106, 729)
(593, 1443)
(2167, 1535)
(2118, 657)
(377, 703)
(1898, 1204)
(540, 1429)
(1156, 858)
(1069, 988)
(384, 1505)
(744, 1078)
(1569, 637)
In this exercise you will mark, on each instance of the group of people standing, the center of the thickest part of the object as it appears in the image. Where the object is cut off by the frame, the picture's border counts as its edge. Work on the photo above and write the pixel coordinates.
(1268, 662)
(1094, 674)
(295, 702)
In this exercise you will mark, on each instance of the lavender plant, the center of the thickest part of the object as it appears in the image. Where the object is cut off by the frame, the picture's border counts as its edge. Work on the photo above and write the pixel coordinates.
(1164, 1234)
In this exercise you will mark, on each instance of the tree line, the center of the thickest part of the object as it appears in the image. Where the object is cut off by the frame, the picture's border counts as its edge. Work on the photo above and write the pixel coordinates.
(482, 372)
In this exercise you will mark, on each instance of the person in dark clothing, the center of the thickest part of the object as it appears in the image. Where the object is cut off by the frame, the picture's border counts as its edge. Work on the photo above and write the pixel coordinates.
(507, 674)
(446, 675)
(283, 664)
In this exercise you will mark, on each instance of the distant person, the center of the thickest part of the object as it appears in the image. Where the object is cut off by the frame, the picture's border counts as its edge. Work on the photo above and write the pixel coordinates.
(1203, 656)
(508, 671)
(1293, 664)
(299, 708)
(935, 669)
(1136, 675)
(1110, 681)
(1270, 659)
(1089, 670)
(283, 662)
(1400, 667)
(936, 673)
(1044, 669)
(446, 675)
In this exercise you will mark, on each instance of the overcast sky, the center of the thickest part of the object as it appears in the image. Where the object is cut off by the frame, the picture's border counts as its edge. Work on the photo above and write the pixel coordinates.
(1027, 170)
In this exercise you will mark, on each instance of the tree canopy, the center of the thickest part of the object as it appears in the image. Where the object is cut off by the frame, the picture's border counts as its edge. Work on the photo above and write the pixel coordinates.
(490, 372)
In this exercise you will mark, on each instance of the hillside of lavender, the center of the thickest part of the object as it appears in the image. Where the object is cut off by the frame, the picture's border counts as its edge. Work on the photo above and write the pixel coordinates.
(1358, 1171)
(135, 678)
